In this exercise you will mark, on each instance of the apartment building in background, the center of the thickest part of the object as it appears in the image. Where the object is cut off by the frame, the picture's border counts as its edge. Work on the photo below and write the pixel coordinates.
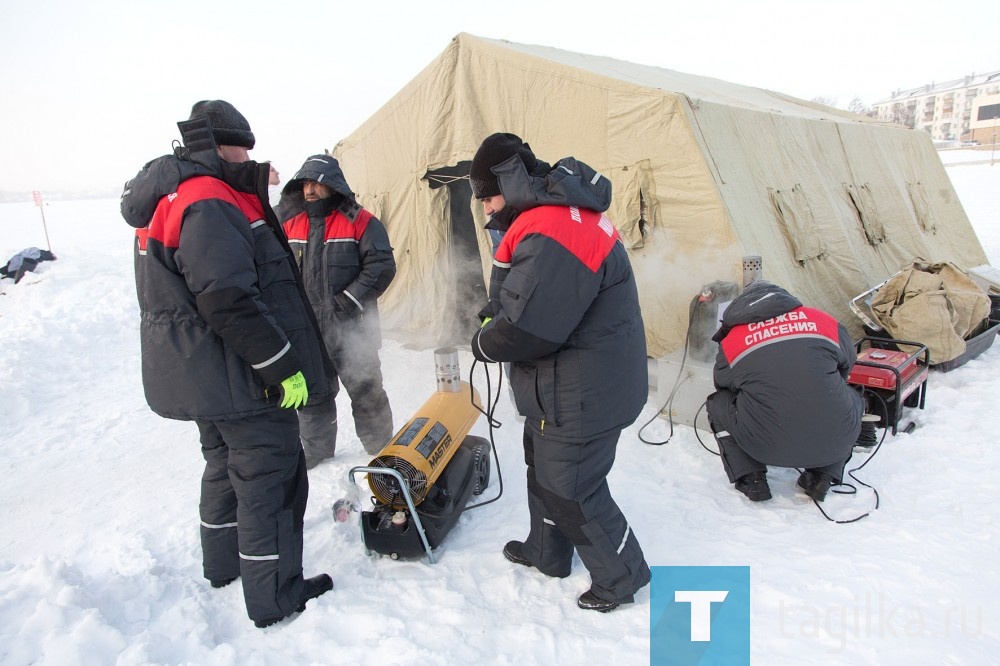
(958, 110)
(983, 127)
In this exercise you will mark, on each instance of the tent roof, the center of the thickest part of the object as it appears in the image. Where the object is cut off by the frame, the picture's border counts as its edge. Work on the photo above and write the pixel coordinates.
(697, 88)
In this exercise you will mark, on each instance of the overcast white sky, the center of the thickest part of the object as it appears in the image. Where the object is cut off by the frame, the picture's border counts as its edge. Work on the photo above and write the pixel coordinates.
(92, 90)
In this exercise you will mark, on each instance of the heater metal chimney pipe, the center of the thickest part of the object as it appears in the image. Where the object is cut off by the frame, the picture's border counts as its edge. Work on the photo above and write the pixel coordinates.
(449, 378)
(751, 269)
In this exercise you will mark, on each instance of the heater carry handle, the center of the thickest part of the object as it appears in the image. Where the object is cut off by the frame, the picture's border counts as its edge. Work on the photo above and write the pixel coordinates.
(405, 491)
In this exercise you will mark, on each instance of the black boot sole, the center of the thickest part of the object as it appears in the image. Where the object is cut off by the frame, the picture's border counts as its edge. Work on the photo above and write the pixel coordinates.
(222, 582)
(758, 497)
(263, 624)
(313, 588)
(516, 558)
(588, 601)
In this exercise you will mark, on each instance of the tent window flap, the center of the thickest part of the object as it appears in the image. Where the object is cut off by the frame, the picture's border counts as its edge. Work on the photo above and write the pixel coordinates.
(797, 224)
(635, 209)
(922, 209)
(864, 203)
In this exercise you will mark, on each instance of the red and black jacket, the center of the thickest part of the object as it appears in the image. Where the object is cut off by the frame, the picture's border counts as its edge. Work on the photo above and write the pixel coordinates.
(342, 248)
(787, 365)
(224, 318)
(566, 315)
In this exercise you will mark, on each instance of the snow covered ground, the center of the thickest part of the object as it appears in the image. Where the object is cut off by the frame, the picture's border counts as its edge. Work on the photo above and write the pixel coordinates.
(99, 550)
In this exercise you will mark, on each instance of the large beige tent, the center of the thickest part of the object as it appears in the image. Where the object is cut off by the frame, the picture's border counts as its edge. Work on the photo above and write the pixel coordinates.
(704, 173)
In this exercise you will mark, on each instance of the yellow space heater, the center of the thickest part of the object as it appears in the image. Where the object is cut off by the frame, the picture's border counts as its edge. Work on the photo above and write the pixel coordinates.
(422, 448)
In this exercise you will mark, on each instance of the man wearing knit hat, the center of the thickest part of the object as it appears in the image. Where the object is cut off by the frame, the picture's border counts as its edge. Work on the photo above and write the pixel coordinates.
(229, 341)
(564, 311)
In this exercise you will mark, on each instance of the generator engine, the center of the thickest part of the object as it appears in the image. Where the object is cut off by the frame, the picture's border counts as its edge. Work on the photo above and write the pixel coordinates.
(895, 372)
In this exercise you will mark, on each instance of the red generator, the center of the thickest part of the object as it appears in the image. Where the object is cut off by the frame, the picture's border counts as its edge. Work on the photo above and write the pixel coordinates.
(896, 376)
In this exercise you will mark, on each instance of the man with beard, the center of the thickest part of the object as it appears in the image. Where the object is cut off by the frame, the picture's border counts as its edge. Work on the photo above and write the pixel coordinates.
(346, 263)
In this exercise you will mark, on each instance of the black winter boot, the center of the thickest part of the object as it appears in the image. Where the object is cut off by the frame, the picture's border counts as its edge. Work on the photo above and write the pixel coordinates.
(311, 588)
(754, 486)
(815, 484)
(512, 551)
(590, 601)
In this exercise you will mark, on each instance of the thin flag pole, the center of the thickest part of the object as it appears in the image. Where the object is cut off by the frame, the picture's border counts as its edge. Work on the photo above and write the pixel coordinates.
(38, 202)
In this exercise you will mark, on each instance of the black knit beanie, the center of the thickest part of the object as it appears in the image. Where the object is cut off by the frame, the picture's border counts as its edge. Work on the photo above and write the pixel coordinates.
(496, 149)
(229, 127)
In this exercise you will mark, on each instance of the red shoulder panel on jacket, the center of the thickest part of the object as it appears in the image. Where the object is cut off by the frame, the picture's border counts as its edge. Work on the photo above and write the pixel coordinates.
(587, 234)
(166, 223)
(337, 226)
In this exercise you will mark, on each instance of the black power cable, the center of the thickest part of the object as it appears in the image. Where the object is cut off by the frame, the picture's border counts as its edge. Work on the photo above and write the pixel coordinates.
(870, 436)
(697, 436)
(670, 398)
(491, 421)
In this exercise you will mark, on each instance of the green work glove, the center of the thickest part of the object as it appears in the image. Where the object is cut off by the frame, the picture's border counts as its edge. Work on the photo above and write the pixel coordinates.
(294, 393)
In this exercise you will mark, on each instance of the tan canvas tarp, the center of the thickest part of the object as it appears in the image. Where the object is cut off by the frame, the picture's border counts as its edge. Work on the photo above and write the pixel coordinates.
(937, 305)
(704, 172)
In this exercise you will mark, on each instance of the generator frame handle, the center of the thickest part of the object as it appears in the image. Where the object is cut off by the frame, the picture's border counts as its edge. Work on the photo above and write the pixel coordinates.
(405, 491)
(900, 388)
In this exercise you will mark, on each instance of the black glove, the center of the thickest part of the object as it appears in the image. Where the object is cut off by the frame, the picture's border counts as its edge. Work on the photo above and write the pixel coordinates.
(346, 305)
(476, 350)
(486, 313)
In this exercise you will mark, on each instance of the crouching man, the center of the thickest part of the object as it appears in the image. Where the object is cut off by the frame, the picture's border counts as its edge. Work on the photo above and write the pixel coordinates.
(782, 398)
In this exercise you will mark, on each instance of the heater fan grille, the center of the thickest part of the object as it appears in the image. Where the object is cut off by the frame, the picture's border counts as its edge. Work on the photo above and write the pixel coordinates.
(386, 488)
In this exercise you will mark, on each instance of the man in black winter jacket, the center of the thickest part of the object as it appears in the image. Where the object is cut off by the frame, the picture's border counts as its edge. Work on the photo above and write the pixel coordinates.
(782, 395)
(564, 311)
(346, 263)
(229, 342)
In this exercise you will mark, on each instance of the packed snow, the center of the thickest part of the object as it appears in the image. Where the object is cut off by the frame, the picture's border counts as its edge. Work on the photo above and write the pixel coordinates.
(99, 550)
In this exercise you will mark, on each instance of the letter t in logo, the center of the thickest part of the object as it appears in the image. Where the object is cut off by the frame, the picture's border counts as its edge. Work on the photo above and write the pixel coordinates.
(689, 626)
(701, 610)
